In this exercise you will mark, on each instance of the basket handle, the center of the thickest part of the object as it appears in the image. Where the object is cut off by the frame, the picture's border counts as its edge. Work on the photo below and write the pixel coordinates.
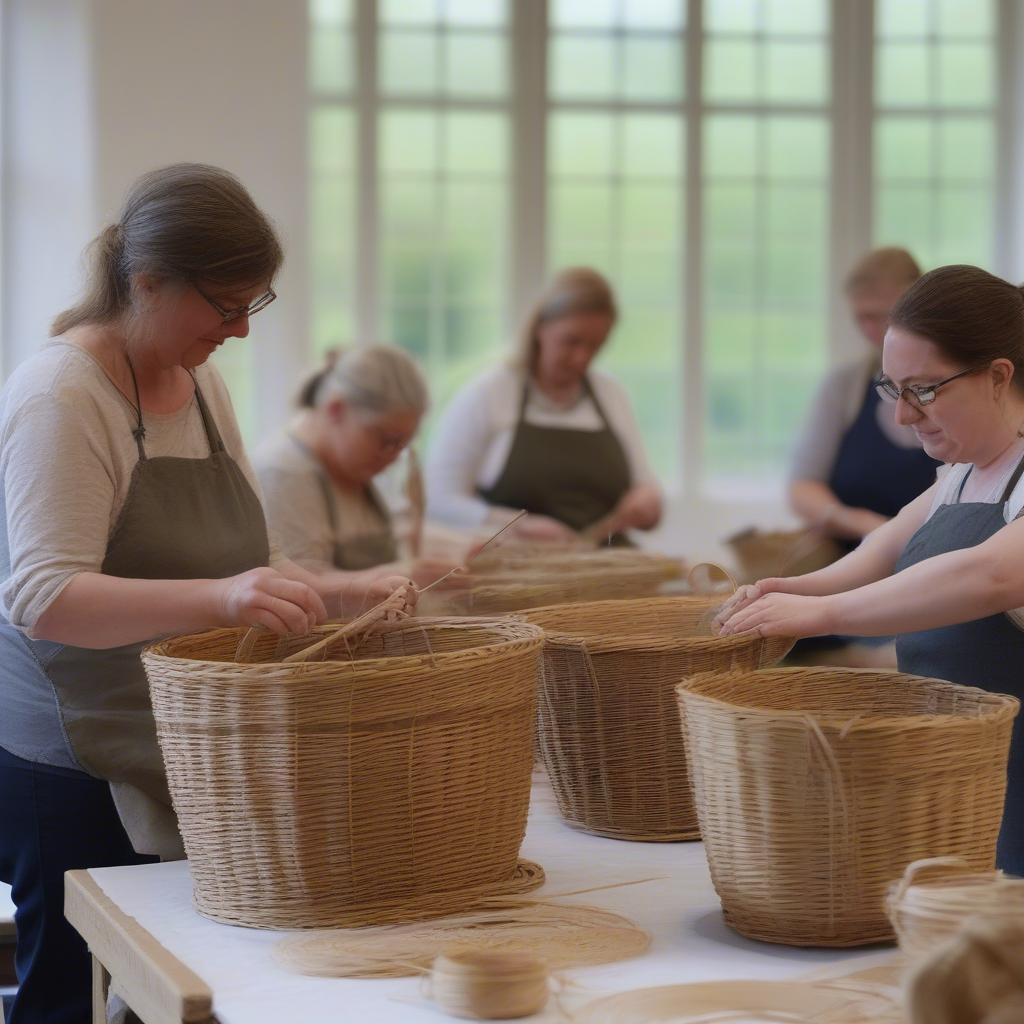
(392, 606)
(708, 566)
(915, 870)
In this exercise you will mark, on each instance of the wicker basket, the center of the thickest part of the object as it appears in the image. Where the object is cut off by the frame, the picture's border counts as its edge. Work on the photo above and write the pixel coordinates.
(761, 554)
(578, 578)
(609, 732)
(387, 785)
(935, 897)
(816, 787)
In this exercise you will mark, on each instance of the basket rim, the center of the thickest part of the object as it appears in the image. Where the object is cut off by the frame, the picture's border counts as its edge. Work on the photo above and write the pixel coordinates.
(1000, 704)
(640, 640)
(532, 635)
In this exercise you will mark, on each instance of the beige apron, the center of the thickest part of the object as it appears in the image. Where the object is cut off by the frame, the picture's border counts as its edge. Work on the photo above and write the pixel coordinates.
(182, 519)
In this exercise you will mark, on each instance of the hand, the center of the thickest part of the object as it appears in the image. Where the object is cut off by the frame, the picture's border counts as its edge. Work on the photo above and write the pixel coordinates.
(263, 597)
(365, 593)
(425, 571)
(782, 615)
(747, 595)
(543, 528)
(638, 509)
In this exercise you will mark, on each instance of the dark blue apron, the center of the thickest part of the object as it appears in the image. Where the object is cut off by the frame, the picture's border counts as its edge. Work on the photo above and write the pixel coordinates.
(987, 652)
(871, 471)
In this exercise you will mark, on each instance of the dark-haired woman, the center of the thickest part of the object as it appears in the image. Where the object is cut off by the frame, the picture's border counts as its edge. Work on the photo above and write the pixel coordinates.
(945, 574)
(128, 511)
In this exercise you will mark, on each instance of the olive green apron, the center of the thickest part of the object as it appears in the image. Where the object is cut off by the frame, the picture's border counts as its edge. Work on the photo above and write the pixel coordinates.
(182, 519)
(365, 550)
(574, 476)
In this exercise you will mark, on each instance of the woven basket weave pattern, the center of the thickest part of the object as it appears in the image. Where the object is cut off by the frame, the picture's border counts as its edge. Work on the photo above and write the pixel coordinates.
(609, 732)
(387, 787)
(816, 787)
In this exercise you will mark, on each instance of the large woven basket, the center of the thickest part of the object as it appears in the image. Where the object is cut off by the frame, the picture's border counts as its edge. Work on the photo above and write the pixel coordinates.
(761, 554)
(815, 787)
(385, 785)
(609, 732)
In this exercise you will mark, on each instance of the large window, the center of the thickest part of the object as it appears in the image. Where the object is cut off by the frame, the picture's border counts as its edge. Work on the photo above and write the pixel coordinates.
(712, 157)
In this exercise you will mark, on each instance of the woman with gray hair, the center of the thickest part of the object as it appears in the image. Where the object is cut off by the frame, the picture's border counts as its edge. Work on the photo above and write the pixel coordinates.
(547, 433)
(356, 416)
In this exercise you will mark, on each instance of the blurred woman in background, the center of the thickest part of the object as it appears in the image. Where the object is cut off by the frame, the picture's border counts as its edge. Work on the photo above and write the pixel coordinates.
(547, 433)
(854, 466)
(356, 417)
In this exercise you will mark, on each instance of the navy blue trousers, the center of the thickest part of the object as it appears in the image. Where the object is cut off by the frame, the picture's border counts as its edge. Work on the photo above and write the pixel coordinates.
(53, 820)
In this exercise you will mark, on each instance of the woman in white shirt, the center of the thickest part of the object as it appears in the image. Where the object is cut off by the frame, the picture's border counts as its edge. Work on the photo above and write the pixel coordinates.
(946, 573)
(547, 433)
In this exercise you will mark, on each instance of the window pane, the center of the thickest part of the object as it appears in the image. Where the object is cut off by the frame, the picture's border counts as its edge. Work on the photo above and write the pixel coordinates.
(581, 144)
(652, 68)
(731, 16)
(798, 147)
(904, 148)
(668, 15)
(966, 75)
(730, 69)
(730, 146)
(965, 18)
(409, 12)
(796, 17)
(483, 13)
(796, 73)
(652, 146)
(409, 142)
(902, 17)
(475, 144)
(474, 64)
(902, 76)
(582, 67)
(583, 13)
(409, 62)
(968, 149)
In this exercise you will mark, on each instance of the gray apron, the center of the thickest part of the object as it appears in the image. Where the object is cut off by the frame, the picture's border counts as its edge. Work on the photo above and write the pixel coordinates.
(574, 476)
(182, 519)
(987, 652)
(365, 550)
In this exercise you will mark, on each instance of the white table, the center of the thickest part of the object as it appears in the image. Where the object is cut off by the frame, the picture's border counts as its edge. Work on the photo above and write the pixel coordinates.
(169, 960)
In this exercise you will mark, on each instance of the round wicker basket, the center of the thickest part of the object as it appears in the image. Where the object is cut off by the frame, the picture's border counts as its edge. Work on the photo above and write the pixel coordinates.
(609, 730)
(935, 897)
(390, 784)
(815, 787)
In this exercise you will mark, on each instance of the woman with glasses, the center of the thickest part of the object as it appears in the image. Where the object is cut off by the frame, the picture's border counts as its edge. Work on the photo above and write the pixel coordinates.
(854, 467)
(356, 417)
(947, 573)
(547, 433)
(128, 511)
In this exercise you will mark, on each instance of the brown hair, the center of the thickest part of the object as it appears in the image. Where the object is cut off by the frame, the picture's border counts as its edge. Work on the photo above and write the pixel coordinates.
(573, 290)
(186, 222)
(890, 265)
(970, 315)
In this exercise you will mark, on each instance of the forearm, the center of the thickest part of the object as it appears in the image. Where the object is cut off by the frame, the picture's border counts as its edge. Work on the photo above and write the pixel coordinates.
(99, 611)
(959, 586)
(874, 559)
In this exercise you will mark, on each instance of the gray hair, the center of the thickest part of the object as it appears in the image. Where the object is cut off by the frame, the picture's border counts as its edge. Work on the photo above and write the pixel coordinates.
(377, 379)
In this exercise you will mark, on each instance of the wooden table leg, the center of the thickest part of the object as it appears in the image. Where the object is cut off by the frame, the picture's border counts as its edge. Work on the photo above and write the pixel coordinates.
(100, 988)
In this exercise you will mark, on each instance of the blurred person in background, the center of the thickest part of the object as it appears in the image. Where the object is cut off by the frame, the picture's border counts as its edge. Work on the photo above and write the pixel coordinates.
(547, 433)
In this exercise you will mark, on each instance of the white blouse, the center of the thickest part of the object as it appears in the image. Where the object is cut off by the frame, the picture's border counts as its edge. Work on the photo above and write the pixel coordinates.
(473, 437)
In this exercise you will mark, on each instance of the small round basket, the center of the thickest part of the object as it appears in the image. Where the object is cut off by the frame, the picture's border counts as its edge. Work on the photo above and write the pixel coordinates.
(935, 897)
(609, 730)
(388, 784)
(815, 787)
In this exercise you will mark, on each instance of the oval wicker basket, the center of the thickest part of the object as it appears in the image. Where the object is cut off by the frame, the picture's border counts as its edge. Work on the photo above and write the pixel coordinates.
(815, 787)
(388, 785)
(609, 730)
(935, 897)
(587, 577)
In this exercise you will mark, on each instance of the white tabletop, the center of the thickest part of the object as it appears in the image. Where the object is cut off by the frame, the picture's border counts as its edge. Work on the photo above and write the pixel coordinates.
(679, 909)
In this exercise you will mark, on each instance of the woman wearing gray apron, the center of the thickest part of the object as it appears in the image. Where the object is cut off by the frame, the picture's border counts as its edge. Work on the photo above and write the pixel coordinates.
(356, 417)
(547, 434)
(945, 574)
(128, 512)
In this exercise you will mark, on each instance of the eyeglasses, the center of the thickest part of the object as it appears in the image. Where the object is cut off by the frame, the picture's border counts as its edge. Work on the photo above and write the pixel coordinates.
(233, 314)
(917, 394)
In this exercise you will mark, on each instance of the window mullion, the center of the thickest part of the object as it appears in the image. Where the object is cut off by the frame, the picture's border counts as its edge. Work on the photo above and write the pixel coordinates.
(367, 226)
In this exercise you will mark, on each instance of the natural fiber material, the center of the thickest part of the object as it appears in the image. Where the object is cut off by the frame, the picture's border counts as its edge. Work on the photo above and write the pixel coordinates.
(609, 732)
(390, 784)
(977, 977)
(500, 582)
(484, 984)
(816, 787)
(935, 897)
(763, 554)
(562, 935)
(746, 1002)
